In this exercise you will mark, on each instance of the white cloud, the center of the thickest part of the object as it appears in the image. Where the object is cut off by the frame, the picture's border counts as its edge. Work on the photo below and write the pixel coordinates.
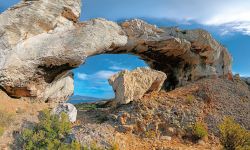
(82, 76)
(234, 15)
(103, 74)
(118, 68)
(230, 15)
(98, 76)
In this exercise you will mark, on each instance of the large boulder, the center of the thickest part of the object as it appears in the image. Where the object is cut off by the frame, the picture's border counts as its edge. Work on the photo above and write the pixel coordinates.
(67, 108)
(132, 85)
(41, 41)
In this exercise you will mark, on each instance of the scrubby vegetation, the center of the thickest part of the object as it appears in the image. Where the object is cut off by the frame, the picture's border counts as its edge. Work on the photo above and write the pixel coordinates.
(233, 136)
(52, 132)
(114, 146)
(5, 120)
(93, 146)
(150, 134)
(86, 106)
(190, 99)
(199, 131)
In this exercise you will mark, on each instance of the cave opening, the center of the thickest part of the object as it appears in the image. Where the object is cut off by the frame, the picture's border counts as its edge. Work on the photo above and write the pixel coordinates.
(91, 78)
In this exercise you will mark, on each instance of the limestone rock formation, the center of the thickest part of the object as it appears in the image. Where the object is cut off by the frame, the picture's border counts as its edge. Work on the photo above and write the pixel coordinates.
(67, 108)
(41, 41)
(132, 85)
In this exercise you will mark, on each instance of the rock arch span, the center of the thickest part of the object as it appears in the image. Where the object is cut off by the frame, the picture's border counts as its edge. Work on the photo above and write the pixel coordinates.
(41, 41)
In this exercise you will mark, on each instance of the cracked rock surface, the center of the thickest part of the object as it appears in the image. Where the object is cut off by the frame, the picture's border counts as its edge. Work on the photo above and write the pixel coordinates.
(132, 85)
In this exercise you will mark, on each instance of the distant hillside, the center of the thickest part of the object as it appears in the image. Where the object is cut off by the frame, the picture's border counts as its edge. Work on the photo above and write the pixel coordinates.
(75, 99)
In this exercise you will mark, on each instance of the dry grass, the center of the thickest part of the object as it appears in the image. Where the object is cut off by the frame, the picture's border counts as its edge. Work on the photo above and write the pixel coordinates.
(5, 120)
(13, 113)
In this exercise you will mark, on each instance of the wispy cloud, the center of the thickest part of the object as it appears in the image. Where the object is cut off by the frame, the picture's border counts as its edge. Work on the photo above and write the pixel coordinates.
(118, 68)
(103, 74)
(82, 76)
(98, 76)
(231, 14)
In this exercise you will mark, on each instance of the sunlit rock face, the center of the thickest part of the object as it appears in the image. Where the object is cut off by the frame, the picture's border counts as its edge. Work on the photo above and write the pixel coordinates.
(41, 41)
(133, 85)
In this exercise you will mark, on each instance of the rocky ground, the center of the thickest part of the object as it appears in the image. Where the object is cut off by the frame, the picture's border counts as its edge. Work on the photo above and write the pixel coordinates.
(160, 120)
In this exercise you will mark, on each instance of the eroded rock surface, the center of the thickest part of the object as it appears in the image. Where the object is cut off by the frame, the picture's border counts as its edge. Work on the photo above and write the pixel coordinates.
(40, 41)
(132, 85)
(67, 108)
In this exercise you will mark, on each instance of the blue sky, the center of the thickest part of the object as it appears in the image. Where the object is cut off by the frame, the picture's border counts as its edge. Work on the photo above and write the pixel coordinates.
(227, 20)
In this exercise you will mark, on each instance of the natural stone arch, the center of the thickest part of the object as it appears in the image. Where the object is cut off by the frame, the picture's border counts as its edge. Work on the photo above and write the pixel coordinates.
(38, 48)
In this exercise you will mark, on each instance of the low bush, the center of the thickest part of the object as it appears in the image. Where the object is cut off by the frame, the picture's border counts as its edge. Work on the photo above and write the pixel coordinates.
(150, 134)
(92, 146)
(114, 146)
(51, 132)
(233, 136)
(190, 99)
(199, 131)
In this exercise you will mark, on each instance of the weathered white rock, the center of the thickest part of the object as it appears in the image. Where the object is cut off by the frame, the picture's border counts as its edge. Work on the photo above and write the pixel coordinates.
(59, 90)
(40, 41)
(132, 85)
(67, 108)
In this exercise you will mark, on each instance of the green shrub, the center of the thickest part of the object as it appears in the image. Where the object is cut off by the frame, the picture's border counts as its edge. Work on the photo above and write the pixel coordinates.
(114, 146)
(92, 146)
(233, 136)
(150, 134)
(190, 99)
(50, 133)
(199, 131)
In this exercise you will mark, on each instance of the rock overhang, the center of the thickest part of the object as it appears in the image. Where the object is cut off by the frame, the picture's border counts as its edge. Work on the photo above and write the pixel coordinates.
(35, 58)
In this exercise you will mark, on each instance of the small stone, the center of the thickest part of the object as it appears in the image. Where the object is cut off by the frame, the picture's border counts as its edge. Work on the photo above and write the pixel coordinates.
(171, 130)
(113, 117)
(123, 118)
(201, 142)
(168, 138)
(20, 110)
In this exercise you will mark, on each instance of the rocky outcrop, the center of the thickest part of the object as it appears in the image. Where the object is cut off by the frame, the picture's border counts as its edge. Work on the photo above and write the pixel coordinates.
(243, 80)
(246, 79)
(67, 108)
(40, 41)
(132, 85)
